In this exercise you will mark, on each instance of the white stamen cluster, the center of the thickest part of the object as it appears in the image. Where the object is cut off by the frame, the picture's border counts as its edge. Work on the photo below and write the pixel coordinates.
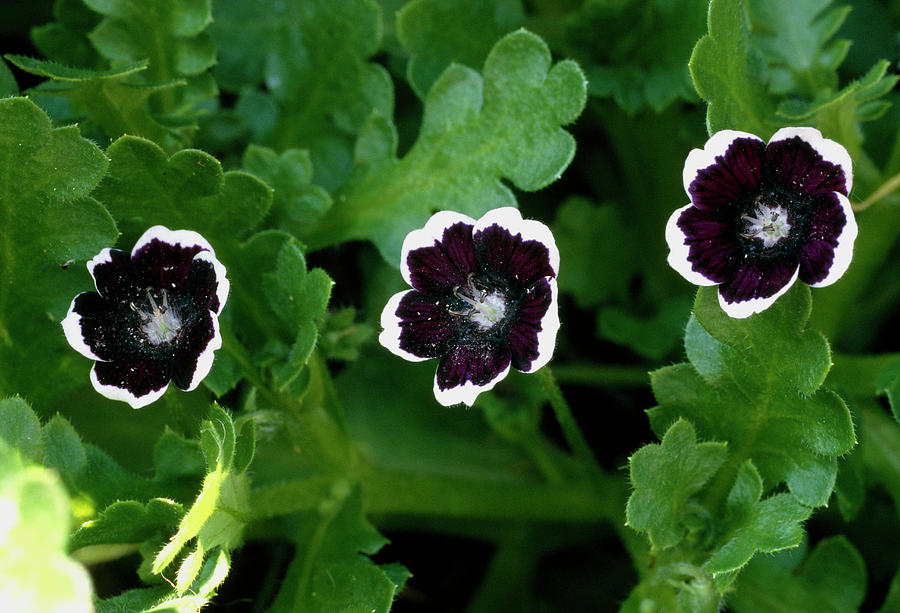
(486, 309)
(160, 323)
(769, 224)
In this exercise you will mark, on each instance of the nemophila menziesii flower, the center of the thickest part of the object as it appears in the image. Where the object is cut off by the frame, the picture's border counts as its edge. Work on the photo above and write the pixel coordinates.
(484, 298)
(153, 318)
(763, 215)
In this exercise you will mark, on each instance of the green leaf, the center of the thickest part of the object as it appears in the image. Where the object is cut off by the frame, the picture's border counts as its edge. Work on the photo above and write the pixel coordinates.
(111, 99)
(729, 76)
(341, 336)
(313, 57)
(832, 579)
(327, 572)
(676, 587)
(438, 33)
(300, 299)
(795, 39)
(889, 384)
(170, 35)
(755, 383)
(665, 477)
(653, 337)
(8, 85)
(21, 429)
(65, 40)
(475, 130)
(63, 450)
(35, 574)
(49, 222)
(176, 457)
(754, 524)
(128, 521)
(297, 203)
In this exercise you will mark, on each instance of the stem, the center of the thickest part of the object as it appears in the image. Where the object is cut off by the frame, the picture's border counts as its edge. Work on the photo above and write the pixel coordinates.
(886, 188)
(571, 431)
(602, 375)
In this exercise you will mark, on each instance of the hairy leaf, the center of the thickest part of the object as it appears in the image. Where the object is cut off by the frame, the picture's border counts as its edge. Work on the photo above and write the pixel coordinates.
(755, 383)
(476, 130)
(65, 40)
(438, 33)
(48, 223)
(665, 477)
(21, 429)
(128, 521)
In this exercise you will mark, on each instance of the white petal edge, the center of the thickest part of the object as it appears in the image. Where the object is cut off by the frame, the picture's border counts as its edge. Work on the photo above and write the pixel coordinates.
(467, 392)
(118, 393)
(549, 328)
(832, 151)
(426, 236)
(746, 308)
(205, 359)
(71, 326)
(679, 251)
(390, 333)
(717, 145)
(104, 257)
(186, 238)
(223, 286)
(843, 253)
(530, 229)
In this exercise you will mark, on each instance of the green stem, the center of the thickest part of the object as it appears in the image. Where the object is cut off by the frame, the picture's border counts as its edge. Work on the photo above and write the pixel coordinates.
(884, 190)
(602, 375)
(571, 431)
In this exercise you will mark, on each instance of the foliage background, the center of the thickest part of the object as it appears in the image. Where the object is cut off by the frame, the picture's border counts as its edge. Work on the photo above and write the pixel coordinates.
(304, 139)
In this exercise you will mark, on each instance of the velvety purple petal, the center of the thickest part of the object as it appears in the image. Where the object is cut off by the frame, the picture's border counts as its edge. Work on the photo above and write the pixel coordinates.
(468, 370)
(757, 278)
(713, 250)
(427, 329)
(446, 264)
(138, 380)
(114, 276)
(799, 169)
(507, 256)
(99, 327)
(163, 265)
(529, 321)
(832, 230)
(192, 341)
(198, 290)
(736, 176)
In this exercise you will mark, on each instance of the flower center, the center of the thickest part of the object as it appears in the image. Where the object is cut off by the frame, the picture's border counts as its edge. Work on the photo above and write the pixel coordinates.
(159, 322)
(768, 223)
(485, 309)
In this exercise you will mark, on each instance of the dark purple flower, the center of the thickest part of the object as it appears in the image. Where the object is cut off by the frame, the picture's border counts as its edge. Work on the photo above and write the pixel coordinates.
(483, 299)
(763, 215)
(153, 318)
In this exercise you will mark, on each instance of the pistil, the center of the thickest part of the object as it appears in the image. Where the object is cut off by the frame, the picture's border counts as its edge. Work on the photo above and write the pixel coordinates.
(769, 224)
(161, 324)
(485, 309)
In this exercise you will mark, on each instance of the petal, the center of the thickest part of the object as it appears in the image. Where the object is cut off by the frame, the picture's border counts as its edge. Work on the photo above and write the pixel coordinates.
(516, 250)
(803, 157)
(439, 257)
(114, 277)
(416, 327)
(701, 263)
(532, 336)
(206, 285)
(86, 325)
(162, 258)
(137, 382)
(469, 370)
(826, 254)
(756, 286)
(729, 169)
(194, 349)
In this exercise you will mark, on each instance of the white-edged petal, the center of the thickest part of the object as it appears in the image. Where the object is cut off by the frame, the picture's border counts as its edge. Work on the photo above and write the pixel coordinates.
(104, 257)
(185, 238)
(831, 151)
(222, 284)
(717, 145)
(843, 253)
(119, 393)
(746, 308)
(511, 218)
(205, 359)
(467, 392)
(679, 251)
(549, 328)
(428, 235)
(390, 333)
(71, 326)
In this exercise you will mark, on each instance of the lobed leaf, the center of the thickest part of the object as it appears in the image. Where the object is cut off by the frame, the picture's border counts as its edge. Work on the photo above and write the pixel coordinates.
(49, 222)
(665, 477)
(20, 429)
(476, 130)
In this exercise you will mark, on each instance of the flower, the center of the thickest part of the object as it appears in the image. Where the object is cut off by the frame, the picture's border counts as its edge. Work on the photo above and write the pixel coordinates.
(484, 298)
(763, 215)
(153, 318)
